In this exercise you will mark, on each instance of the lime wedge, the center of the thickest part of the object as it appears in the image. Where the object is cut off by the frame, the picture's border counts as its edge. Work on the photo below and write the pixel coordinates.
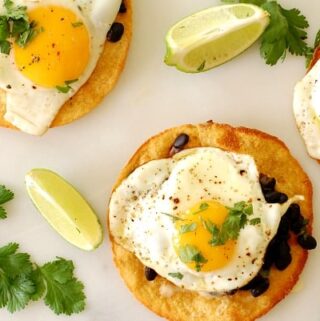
(64, 208)
(213, 36)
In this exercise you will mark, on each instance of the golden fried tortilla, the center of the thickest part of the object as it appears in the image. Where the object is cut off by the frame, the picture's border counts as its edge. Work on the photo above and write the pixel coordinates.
(272, 158)
(101, 82)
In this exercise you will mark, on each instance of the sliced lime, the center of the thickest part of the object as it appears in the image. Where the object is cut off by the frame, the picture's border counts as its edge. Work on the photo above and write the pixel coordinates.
(213, 36)
(64, 208)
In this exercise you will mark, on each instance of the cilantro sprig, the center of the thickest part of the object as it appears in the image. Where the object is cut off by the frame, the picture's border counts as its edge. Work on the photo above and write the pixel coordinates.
(191, 254)
(286, 31)
(5, 196)
(15, 24)
(21, 281)
(238, 218)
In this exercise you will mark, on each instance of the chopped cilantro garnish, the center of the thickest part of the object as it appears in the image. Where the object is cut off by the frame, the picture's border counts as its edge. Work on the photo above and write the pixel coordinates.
(174, 218)
(190, 254)
(176, 275)
(236, 220)
(186, 228)
(202, 207)
(15, 25)
(66, 88)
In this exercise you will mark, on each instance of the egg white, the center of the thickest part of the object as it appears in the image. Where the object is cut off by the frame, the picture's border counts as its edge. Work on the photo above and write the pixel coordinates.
(33, 110)
(137, 224)
(306, 107)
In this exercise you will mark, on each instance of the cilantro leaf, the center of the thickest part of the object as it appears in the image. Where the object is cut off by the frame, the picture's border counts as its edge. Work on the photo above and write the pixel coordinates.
(190, 254)
(176, 275)
(186, 228)
(66, 88)
(64, 292)
(174, 218)
(5, 195)
(236, 220)
(202, 207)
(15, 24)
(19, 293)
(15, 286)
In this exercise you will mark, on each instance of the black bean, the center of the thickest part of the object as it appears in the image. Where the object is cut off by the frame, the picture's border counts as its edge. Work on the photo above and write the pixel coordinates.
(116, 31)
(150, 273)
(260, 288)
(297, 225)
(282, 255)
(179, 143)
(267, 183)
(307, 242)
(269, 257)
(253, 283)
(293, 212)
(284, 227)
(275, 197)
(123, 8)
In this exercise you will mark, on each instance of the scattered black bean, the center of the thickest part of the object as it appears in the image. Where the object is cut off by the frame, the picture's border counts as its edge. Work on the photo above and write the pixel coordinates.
(260, 288)
(293, 212)
(150, 273)
(282, 255)
(116, 31)
(298, 224)
(267, 183)
(123, 8)
(275, 197)
(253, 283)
(178, 144)
(284, 227)
(269, 257)
(181, 141)
(307, 242)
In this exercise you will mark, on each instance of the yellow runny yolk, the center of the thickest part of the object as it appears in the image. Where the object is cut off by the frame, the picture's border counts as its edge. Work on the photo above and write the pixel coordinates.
(193, 234)
(59, 52)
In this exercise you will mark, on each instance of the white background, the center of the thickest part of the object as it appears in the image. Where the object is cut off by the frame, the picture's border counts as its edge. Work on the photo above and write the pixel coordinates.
(149, 98)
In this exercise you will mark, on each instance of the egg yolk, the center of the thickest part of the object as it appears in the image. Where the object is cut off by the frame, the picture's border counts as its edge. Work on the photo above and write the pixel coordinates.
(59, 51)
(194, 236)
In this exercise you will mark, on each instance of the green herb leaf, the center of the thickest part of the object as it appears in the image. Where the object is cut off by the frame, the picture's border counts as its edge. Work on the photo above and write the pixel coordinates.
(236, 220)
(201, 67)
(5, 196)
(64, 293)
(202, 207)
(189, 254)
(174, 218)
(176, 275)
(186, 228)
(255, 221)
(65, 89)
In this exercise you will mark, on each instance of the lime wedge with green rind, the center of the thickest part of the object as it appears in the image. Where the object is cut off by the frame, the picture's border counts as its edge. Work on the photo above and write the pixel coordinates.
(64, 208)
(213, 36)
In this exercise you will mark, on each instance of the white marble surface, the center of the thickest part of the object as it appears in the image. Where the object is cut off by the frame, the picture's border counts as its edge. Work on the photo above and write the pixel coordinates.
(149, 98)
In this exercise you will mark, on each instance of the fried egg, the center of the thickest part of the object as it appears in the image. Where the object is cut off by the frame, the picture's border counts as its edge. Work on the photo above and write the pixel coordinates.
(162, 210)
(40, 77)
(306, 106)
